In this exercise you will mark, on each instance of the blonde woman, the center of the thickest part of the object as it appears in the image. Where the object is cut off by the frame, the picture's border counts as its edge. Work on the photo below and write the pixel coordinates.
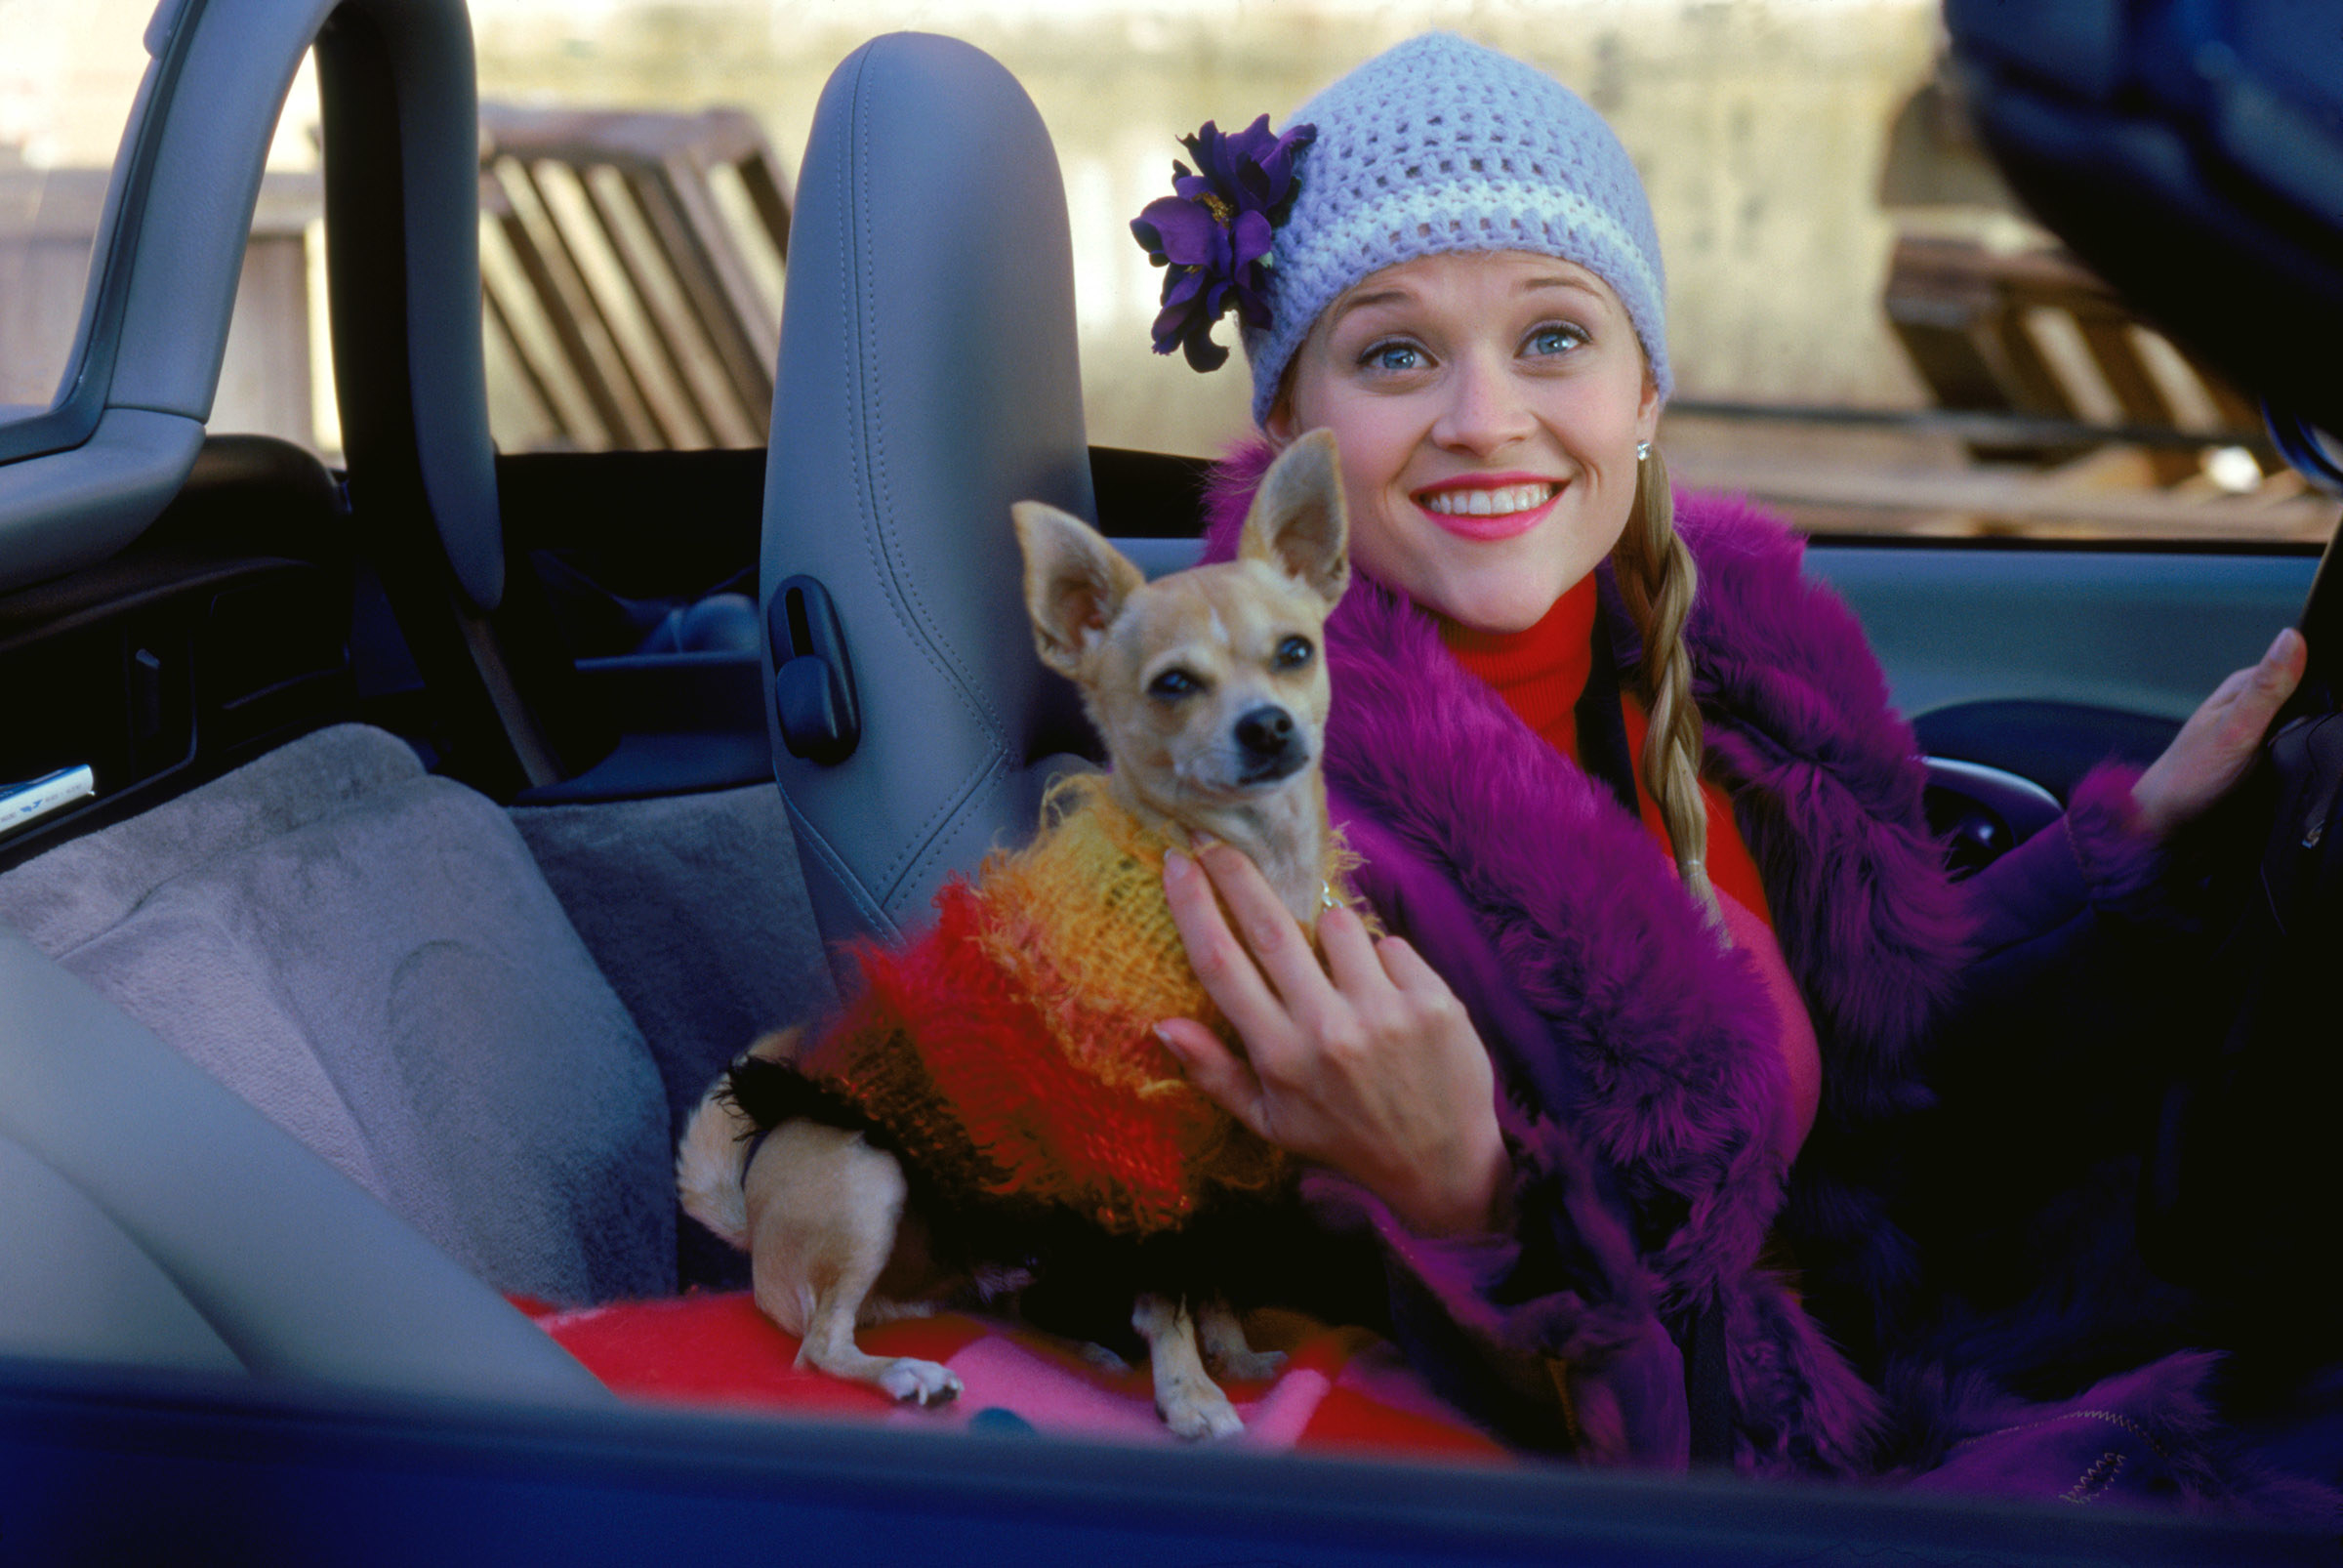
(1667, 926)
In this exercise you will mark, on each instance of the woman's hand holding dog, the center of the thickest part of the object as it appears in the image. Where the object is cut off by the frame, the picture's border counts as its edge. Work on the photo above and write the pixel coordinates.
(1367, 1064)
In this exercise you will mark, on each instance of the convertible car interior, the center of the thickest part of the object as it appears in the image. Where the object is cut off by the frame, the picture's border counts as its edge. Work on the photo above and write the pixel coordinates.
(391, 855)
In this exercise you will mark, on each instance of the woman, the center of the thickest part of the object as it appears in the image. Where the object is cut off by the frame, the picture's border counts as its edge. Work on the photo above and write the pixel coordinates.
(1662, 964)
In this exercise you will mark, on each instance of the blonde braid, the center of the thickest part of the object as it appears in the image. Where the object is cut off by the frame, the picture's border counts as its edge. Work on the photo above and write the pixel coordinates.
(1658, 580)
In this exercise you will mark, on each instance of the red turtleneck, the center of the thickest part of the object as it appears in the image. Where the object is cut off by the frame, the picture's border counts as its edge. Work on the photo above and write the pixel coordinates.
(1541, 673)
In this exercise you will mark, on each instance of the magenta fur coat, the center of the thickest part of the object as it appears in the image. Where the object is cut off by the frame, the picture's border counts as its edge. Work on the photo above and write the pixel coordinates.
(1637, 1055)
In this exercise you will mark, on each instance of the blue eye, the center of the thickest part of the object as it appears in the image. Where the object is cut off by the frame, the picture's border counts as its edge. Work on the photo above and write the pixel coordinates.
(1174, 684)
(1392, 356)
(1555, 339)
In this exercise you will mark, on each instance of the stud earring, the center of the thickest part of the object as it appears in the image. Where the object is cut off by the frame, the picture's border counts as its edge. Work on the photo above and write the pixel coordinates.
(1643, 449)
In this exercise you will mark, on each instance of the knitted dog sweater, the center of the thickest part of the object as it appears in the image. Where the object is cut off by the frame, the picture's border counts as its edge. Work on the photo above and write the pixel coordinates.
(1009, 1053)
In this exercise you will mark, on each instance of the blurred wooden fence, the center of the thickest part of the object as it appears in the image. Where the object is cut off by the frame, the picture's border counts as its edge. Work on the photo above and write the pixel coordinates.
(2033, 333)
(2066, 414)
(632, 266)
(48, 221)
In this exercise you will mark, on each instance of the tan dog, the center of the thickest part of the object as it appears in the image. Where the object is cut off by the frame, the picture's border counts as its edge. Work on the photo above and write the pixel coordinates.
(1210, 691)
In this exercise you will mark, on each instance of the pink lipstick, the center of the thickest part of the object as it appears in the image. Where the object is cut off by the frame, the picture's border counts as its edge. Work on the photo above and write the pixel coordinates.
(1485, 507)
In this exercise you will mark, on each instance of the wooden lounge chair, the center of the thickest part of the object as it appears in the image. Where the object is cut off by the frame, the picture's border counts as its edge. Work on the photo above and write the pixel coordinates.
(633, 263)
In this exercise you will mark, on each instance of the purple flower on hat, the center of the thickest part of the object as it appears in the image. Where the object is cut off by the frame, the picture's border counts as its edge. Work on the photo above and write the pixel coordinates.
(1214, 234)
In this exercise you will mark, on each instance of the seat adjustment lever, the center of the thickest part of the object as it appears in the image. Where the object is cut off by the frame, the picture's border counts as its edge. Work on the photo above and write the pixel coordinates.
(813, 680)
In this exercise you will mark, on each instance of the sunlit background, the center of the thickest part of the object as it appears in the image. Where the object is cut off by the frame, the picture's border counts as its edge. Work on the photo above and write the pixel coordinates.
(1796, 152)
(1760, 126)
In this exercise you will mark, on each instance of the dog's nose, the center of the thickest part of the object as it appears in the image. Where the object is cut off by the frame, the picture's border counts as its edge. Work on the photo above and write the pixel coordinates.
(1266, 730)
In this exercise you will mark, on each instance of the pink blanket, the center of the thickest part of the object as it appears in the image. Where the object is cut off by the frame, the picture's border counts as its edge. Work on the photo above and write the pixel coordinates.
(1340, 1391)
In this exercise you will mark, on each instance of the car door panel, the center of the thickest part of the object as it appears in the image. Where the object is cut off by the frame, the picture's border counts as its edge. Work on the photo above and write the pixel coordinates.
(68, 508)
(2135, 632)
(2024, 668)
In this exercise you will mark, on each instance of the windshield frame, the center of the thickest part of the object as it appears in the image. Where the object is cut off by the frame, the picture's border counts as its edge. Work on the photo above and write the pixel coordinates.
(72, 418)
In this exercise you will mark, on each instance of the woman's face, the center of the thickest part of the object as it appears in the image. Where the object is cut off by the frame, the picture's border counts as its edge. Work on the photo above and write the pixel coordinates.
(1486, 407)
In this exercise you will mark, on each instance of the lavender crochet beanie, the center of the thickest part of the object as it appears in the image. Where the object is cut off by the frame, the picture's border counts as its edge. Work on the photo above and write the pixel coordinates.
(1440, 145)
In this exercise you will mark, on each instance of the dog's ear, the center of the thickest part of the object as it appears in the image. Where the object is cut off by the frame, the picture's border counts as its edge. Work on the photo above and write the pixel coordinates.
(1298, 523)
(1075, 583)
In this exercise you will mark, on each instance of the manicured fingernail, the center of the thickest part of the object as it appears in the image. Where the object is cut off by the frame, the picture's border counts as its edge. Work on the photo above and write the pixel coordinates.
(2278, 645)
(1164, 1037)
(1177, 867)
(1202, 842)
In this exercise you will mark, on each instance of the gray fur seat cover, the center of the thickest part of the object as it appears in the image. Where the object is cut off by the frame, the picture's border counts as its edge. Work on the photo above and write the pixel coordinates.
(370, 956)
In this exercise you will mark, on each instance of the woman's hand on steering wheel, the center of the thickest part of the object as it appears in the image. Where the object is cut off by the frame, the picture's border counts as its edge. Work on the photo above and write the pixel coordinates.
(1367, 1063)
(2220, 740)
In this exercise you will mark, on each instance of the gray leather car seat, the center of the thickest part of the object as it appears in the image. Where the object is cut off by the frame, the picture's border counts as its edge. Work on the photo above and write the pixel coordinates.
(325, 948)
(927, 380)
(369, 956)
(150, 1218)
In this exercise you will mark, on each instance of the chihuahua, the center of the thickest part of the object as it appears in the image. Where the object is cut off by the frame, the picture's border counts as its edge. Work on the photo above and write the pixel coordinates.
(1210, 691)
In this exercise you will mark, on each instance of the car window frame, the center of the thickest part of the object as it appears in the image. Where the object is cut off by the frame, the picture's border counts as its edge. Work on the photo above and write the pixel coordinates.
(72, 418)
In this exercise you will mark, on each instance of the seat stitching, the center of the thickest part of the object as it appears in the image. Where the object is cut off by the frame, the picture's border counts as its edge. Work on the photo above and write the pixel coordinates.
(807, 833)
(868, 456)
(931, 848)
(869, 451)
(860, 372)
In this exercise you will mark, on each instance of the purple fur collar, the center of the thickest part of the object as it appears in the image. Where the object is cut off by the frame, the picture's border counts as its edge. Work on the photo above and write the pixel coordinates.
(1672, 1033)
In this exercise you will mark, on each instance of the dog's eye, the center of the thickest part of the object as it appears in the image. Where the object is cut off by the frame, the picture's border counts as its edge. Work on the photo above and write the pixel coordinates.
(1174, 684)
(1293, 652)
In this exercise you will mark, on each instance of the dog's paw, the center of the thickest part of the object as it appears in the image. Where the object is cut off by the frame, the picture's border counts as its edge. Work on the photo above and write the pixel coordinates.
(1249, 1365)
(924, 1381)
(1201, 1415)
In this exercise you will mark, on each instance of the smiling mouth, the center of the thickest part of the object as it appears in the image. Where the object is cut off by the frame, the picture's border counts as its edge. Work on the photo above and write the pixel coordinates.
(1503, 500)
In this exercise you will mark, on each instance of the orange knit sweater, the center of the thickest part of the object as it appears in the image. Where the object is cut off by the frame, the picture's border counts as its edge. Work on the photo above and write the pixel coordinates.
(1010, 1054)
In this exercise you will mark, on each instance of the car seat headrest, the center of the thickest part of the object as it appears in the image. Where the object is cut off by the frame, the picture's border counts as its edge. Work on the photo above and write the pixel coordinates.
(927, 380)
